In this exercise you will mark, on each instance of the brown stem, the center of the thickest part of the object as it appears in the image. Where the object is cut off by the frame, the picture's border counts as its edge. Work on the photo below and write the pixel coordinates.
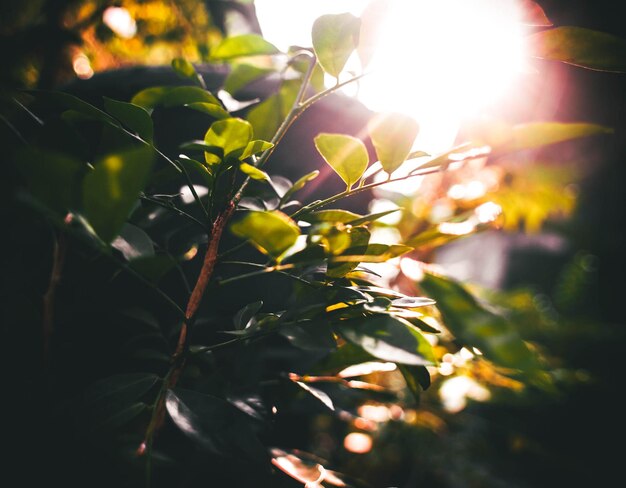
(58, 258)
(179, 356)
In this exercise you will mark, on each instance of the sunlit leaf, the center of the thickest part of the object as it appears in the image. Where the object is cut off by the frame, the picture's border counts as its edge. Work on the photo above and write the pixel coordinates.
(335, 37)
(52, 178)
(255, 147)
(581, 47)
(213, 109)
(299, 184)
(253, 172)
(412, 302)
(392, 135)
(359, 238)
(366, 219)
(537, 134)
(332, 215)
(272, 232)
(243, 45)
(478, 327)
(533, 14)
(214, 424)
(231, 135)
(242, 75)
(183, 68)
(388, 338)
(134, 117)
(347, 155)
(305, 468)
(111, 189)
(168, 96)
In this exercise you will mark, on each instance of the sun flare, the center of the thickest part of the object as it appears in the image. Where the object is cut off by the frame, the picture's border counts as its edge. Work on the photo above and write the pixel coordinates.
(438, 61)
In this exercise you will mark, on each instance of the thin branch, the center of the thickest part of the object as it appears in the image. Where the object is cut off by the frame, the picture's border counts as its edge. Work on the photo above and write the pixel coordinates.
(58, 260)
(174, 208)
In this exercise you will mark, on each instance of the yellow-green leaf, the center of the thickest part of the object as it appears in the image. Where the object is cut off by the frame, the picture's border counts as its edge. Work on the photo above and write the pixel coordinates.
(347, 155)
(168, 96)
(393, 135)
(212, 109)
(231, 135)
(335, 37)
(242, 75)
(271, 232)
(243, 45)
(255, 147)
(253, 172)
(537, 134)
(134, 117)
(581, 47)
(183, 68)
(111, 189)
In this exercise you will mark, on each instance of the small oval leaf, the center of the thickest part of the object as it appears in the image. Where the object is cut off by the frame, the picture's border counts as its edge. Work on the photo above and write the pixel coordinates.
(335, 37)
(271, 232)
(392, 135)
(243, 45)
(347, 155)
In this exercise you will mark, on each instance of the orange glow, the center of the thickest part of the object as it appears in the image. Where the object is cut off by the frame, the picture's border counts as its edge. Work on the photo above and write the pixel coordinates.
(358, 443)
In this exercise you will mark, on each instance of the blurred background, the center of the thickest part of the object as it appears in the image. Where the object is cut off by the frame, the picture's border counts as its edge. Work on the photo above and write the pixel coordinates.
(551, 259)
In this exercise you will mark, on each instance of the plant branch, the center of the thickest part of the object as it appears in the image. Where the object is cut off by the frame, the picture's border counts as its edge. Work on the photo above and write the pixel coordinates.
(174, 208)
(58, 260)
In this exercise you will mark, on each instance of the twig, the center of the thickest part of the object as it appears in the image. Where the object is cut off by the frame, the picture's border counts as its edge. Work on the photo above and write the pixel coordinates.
(58, 260)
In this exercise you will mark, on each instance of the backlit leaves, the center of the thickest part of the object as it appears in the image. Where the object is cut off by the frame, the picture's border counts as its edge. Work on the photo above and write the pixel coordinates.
(392, 135)
(335, 37)
(134, 117)
(231, 135)
(346, 155)
(271, 232)
(388, 338)
(581, 47)
(168, 96)
(239, 46)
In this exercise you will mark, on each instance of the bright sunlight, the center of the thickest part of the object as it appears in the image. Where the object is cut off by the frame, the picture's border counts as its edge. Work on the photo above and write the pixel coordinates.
(438, 61)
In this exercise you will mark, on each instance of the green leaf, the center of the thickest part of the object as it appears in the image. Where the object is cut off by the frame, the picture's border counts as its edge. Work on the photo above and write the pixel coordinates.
(254, 172)
(478, 327)
(255, 147)
(359, 238)
(215, 425)
(133, 243)
(213, 109)
(184, 68)
(134, 117)
(335, 37)
(168, 96)
(373, 253)
(417, 378)
(537, 134)
(332, 215)
(392, 135)
(271, 232)
(70, 102)
(123, 388)
(242, 75)
(231, 135)
(347, 155)
(581, 47)
(346, 355)
(52, 178)
(298, 185)
(243, 45)
(388, 338)
(310, 335)
(244, 317)
(153, 268)
(267, 116)
(366, 219)
(202, 169)
(111, 189)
